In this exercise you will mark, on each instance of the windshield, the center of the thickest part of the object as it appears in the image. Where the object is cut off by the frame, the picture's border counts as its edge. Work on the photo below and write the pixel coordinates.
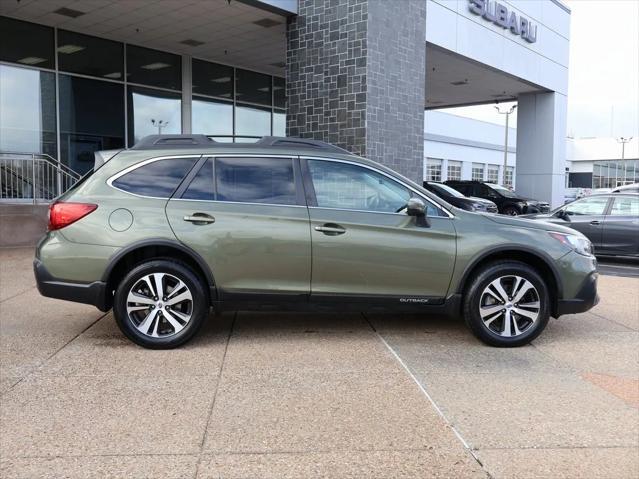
(502, 191)
(446, 190)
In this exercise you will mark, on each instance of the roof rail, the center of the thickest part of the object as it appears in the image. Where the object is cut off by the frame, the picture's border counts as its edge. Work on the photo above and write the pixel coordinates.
(157, 142)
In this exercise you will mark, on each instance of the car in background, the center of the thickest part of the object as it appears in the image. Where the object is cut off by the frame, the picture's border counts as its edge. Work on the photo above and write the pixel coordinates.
(610, 221)
(457, 199)
(633, 188)
(508, 202)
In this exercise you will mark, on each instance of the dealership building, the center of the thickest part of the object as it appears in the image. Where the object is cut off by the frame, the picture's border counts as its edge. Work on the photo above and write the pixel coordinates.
(77, 76)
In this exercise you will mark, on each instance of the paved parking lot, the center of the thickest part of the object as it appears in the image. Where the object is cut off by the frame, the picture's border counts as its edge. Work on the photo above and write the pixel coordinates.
(295, 395)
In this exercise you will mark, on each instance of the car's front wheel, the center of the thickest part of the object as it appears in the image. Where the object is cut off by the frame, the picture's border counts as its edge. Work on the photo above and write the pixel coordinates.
(160, 304)
(507, 304)
(511, 211)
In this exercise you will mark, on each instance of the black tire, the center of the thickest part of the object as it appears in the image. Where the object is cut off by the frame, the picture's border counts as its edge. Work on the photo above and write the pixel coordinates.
(198, 306)
(477, 289)
(511, 211)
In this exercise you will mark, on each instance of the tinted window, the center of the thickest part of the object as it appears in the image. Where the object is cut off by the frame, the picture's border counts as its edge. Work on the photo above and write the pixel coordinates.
(253, 87)
(152, 67)
(158, 178)
(212, 79)
(625, 206)
(255, 180)
(82, 131)
(26, 43)
(93, 56)
(201, 187)
(588, 206)
(279, 92)
(352, 187)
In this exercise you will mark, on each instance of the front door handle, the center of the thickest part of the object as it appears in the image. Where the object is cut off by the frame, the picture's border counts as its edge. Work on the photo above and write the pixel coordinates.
(330, 229)
(199, 219)
(595, 222)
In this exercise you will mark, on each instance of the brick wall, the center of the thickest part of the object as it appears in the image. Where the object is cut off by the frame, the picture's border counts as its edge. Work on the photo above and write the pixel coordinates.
(355, 78)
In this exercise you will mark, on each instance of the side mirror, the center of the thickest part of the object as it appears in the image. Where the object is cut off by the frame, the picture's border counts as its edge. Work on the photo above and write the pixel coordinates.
(563, 214)
(417, 208)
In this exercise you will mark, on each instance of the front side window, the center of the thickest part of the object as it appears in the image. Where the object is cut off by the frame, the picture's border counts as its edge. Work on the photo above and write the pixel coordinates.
(255, 180)
(625, 206)
(588, 206)
(157, 179)
(352, 187)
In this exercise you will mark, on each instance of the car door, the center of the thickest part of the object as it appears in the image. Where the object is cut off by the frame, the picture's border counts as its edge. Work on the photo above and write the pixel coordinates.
(364, 247)
(587, 216)
(248, 218)
(621, 226)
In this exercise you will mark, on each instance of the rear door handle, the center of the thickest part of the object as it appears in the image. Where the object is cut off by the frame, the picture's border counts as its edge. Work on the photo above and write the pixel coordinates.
(199, 218)
(595, 222)
(331, 229)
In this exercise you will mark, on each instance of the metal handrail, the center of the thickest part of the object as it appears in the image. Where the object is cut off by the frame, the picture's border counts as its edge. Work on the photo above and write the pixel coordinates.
(32, 177)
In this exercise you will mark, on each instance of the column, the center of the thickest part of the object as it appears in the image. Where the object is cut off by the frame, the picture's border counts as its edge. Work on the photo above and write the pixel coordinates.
(355, 77)
(541, 146)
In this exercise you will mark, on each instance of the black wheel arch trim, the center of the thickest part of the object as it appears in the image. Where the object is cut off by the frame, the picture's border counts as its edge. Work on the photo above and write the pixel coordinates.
(194, 255)
(543, 256)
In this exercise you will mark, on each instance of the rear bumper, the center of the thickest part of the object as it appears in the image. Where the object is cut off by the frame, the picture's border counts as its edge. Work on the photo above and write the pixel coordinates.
(585, 299)
(88, 293)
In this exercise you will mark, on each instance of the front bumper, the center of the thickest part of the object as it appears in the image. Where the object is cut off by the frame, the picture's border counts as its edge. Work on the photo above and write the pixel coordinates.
(88, 293)
(585, 299)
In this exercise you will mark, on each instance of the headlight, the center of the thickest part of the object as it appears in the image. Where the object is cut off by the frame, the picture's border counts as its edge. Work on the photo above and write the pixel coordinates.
(479, 206)
(580, 244)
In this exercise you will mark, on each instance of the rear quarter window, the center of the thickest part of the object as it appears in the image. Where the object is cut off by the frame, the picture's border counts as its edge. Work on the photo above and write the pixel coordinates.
(157, 179)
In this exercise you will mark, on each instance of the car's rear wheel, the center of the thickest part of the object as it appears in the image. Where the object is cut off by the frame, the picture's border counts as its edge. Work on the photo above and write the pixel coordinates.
(160, 304)
(507, 304)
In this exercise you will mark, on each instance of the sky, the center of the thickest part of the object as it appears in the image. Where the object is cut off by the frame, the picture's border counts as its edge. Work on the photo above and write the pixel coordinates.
(603, 90)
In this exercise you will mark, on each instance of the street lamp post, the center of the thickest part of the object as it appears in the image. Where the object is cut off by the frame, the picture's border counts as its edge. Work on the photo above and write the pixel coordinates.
(507, 113)
(623, 141)
(160, 124)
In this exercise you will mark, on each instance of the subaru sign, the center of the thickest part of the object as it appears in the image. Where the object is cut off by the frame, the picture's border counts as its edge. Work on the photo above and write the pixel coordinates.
(498, 14)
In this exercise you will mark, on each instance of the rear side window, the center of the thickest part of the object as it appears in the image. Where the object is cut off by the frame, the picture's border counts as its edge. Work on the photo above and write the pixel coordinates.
(625, 206)
(255, 180)
(158, 179)
(201, 187)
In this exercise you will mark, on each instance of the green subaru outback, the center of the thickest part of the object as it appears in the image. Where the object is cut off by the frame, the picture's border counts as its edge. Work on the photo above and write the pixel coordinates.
(176, 225)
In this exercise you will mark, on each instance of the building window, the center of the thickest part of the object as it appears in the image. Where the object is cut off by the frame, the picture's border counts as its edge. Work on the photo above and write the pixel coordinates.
(211, 79)
(610, 174)
(212, 117)
(478, 172)
(279, 92)
(153, 112)
(279, 123)
(433, 169)
(153, 68)
(252, 121)
(27, 115)
(91, 56)
(508, 180)
(91, 119)
(26, 43)
(492, 175)
(454, 170)
(252, 87)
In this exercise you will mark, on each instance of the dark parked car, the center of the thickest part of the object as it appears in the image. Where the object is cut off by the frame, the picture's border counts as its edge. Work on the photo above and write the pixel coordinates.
(610, 221)
(457, 199)
(508, 202)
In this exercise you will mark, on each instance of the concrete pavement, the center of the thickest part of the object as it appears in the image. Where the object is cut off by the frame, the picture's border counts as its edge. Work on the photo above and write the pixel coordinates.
(297, 395)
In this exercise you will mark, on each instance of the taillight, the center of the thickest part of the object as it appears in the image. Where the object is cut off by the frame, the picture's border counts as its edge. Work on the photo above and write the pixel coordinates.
(63, 214)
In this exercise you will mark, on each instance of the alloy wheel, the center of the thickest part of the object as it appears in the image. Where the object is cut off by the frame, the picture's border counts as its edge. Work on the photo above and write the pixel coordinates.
(159, 305)
(509, 306)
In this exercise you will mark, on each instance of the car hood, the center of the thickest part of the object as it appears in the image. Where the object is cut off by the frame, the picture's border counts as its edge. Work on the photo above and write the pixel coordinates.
(537, 221)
